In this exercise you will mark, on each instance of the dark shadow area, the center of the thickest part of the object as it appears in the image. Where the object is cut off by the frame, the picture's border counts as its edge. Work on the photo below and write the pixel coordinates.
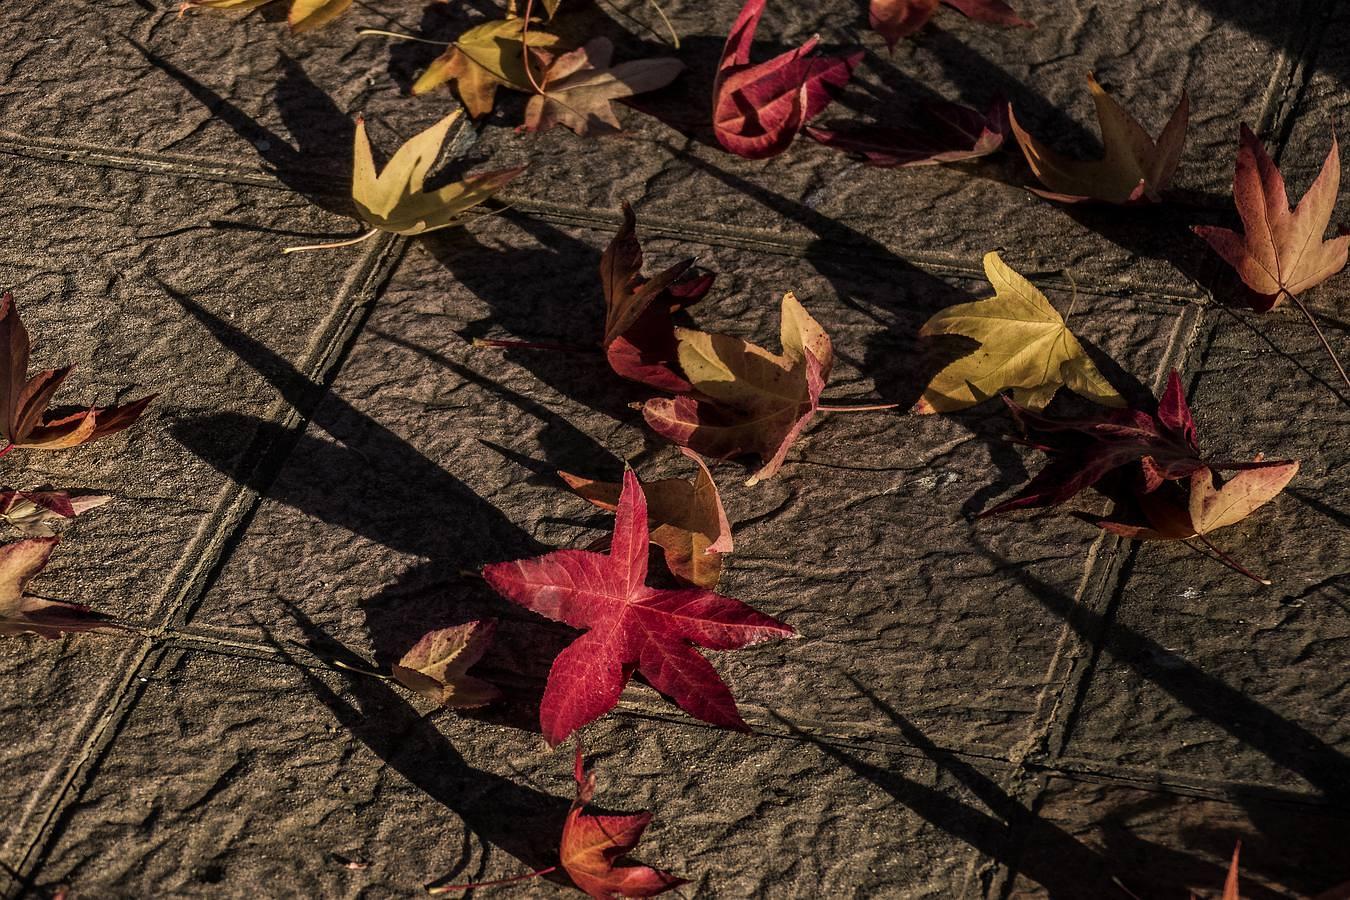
(318, 168)
(499, 811)
(1282, 741)
(370, 481)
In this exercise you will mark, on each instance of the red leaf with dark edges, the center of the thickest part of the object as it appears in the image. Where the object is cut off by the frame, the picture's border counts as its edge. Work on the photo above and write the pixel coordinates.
(639, 337)
(593, 846)
(759, 108)
(21, 613)
(950, 132)
(895, 19)
(1082, 451)
(24, 416)
(629, 627)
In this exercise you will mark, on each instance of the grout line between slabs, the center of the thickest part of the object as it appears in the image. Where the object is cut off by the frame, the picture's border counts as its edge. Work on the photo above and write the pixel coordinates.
(205, 554)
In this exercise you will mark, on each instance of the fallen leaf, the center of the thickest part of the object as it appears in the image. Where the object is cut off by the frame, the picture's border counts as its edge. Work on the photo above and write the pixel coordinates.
(1025, 346)
(436, 666)
(24, 414)
(629, 627)
(759, 108)
(639, 338)
(746, 399)
(23, 614)
(394, 199)
(485, 57)
(1205, 509)
(1135, 168)
(593, 847)
(895, 19)
(579, 86)
(949, 133)
(305, 15)
(687, 518)
(1280, 252)
(32, 512)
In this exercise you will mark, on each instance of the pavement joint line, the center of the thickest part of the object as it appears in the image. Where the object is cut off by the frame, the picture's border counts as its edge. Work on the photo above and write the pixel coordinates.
(1300, 56)
(698, 232)
(205, 555)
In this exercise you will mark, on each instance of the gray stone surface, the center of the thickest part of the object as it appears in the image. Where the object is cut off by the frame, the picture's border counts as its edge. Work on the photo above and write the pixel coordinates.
(977, 709)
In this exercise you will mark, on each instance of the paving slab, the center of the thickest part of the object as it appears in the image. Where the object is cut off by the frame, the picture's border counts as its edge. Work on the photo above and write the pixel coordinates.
(432, 457)
(281, 774)
(237, 92)
(1203, 671)
(1098, 836)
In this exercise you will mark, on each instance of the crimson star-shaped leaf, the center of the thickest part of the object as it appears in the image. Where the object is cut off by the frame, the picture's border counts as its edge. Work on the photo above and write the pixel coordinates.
(629, 627)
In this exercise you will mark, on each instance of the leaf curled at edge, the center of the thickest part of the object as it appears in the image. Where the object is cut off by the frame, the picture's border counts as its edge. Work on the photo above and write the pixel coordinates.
(1135, 168)
(580, 85)
(20, 613)
(32, 512)
(895, 19)
(758, 108)
(688, 521)
(436, 666)
(948, 132)
(487, 56)
(629, 627)
(1025, 346)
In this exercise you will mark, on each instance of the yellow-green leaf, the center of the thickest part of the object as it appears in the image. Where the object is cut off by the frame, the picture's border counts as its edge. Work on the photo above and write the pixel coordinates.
(1025, 346)
(481, 59)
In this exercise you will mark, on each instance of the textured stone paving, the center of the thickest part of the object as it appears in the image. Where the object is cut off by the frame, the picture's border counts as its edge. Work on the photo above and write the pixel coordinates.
(1018, 707)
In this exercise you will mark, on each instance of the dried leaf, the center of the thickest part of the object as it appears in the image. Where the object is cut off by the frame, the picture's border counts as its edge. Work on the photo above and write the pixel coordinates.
(639, 337)
(1025, 346)
(436, 666)
(593, 847)
(32, 512)
(759, 108)
(894, 19)
(746, 399)
(630, 627)
(482, 59)
(1178, 516)
(950, 133)
(394, 200)
(687, 519)
(23, 614)
(578, 88)
(1135, 168)
(305, 15)
(24, 415)
(1280, 251)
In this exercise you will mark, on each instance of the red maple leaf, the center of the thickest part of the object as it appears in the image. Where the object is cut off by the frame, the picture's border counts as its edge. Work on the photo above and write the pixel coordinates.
(759, 108)
(630, 627)
(894, 19)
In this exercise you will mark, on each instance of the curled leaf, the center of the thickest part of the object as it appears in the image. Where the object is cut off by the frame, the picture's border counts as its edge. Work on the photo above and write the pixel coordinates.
(24, 614)
(24, 415)
(746, 399)
(305, 15)
(895, 19)
(579, 87)
(948, 132)
(758, 108)
(593, 848)
(436, 666)
(33, 512)
(687, 519)
(394, 199)
(1135, 168)
(1025, 346)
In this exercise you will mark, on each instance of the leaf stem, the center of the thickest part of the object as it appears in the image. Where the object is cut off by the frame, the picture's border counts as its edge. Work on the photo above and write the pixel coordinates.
(8, 447)
(403, 37)
(875, 407)
(532, 345)
(447, 888)
(356, 240)
(525, 47)
(1228, 560)
(1320, 336)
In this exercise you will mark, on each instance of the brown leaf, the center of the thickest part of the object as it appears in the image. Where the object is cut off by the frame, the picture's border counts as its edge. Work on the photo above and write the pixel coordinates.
(33, 512)
(687, 519)
(482, 59)
(1134, 169)
(436, 666)
(579, 86)
(24, 614)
